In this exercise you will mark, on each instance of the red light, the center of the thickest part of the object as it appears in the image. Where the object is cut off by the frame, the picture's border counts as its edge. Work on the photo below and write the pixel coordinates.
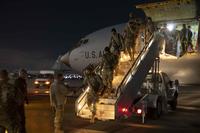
(139, 111)
(124, 110)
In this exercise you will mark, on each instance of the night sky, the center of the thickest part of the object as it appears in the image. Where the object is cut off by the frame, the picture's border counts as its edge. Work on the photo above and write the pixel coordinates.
(33, 33)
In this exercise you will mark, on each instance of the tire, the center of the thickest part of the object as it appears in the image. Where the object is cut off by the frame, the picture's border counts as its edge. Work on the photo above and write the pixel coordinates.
(156, 113)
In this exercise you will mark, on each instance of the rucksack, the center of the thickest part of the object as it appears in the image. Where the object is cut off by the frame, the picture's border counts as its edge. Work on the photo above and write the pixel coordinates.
(99, 83)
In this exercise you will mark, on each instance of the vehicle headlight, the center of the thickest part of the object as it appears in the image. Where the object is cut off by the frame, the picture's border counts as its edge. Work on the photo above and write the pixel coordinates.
(47, 92)
(47, 82)
(36, 82)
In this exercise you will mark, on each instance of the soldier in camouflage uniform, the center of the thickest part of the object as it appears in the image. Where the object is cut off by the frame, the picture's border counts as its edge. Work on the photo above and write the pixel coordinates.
(94, 82)
(22, 94)
(130, 34)
(58, 96)
(9, 117)
(150, 28)
(107, 66)
(116, 42)
(116, 46)
(183, 38)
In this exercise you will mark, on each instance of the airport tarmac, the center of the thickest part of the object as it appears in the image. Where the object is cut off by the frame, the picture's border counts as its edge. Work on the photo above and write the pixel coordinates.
(39, 117)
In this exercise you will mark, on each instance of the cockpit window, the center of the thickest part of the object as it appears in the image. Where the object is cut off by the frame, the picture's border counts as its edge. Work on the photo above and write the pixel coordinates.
(81, 42)
(85, 41)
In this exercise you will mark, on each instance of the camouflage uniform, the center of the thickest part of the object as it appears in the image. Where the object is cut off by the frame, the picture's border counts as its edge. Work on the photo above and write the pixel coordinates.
(150, 28)
(116, 43)
(21, 87)
(116, 46)
(58, 95)
(9, 117)
(189, 40)
(183, 38)
(95, 84)
(108, 64)
(131, 32)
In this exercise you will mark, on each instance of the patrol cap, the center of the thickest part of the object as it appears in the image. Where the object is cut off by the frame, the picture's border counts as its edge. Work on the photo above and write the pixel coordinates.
(107, 49)
(113, 30)
(149, 19)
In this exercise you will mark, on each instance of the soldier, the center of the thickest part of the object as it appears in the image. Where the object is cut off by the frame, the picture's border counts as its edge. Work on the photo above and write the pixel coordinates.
(21, 86)
(116, 46)
(9, 117)
(183, 38)
(165, 34)
(116, 43)
(58, 94)
(150, 28)
(94, 82)
(189, 40)
(130, 34)
(107, 65)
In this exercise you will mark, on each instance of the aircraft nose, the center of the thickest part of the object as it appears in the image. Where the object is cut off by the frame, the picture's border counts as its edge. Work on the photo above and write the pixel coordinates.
(65, 59)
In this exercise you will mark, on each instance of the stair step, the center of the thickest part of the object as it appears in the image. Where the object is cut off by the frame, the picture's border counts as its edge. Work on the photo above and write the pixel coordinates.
(101, 114)
(106, 101)
(105, 107)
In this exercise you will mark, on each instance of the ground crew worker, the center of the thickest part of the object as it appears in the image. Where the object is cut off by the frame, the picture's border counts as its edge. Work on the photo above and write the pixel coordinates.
(94, 82)
(9, 117)
(183, 38)
(58, 94)
(129, 36)
(107, 65)
(189, 40)
(21, 88)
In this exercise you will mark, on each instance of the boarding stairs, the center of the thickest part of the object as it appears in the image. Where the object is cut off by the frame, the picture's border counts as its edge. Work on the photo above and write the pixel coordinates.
(127, 82)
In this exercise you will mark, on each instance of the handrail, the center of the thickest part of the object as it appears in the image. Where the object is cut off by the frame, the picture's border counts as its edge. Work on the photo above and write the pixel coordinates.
(82, 95)
(81, 107)
(79, 100)
(134, 63)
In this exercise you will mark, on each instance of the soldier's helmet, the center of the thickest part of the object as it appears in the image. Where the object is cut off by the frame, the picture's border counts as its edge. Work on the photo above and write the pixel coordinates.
(149, 18)
(113, 30)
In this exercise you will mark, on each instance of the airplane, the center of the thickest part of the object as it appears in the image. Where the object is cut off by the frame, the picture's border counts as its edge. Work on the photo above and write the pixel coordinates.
(174, 13)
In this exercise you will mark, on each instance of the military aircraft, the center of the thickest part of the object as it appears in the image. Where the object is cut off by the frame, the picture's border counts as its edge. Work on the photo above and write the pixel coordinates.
(173, 13)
